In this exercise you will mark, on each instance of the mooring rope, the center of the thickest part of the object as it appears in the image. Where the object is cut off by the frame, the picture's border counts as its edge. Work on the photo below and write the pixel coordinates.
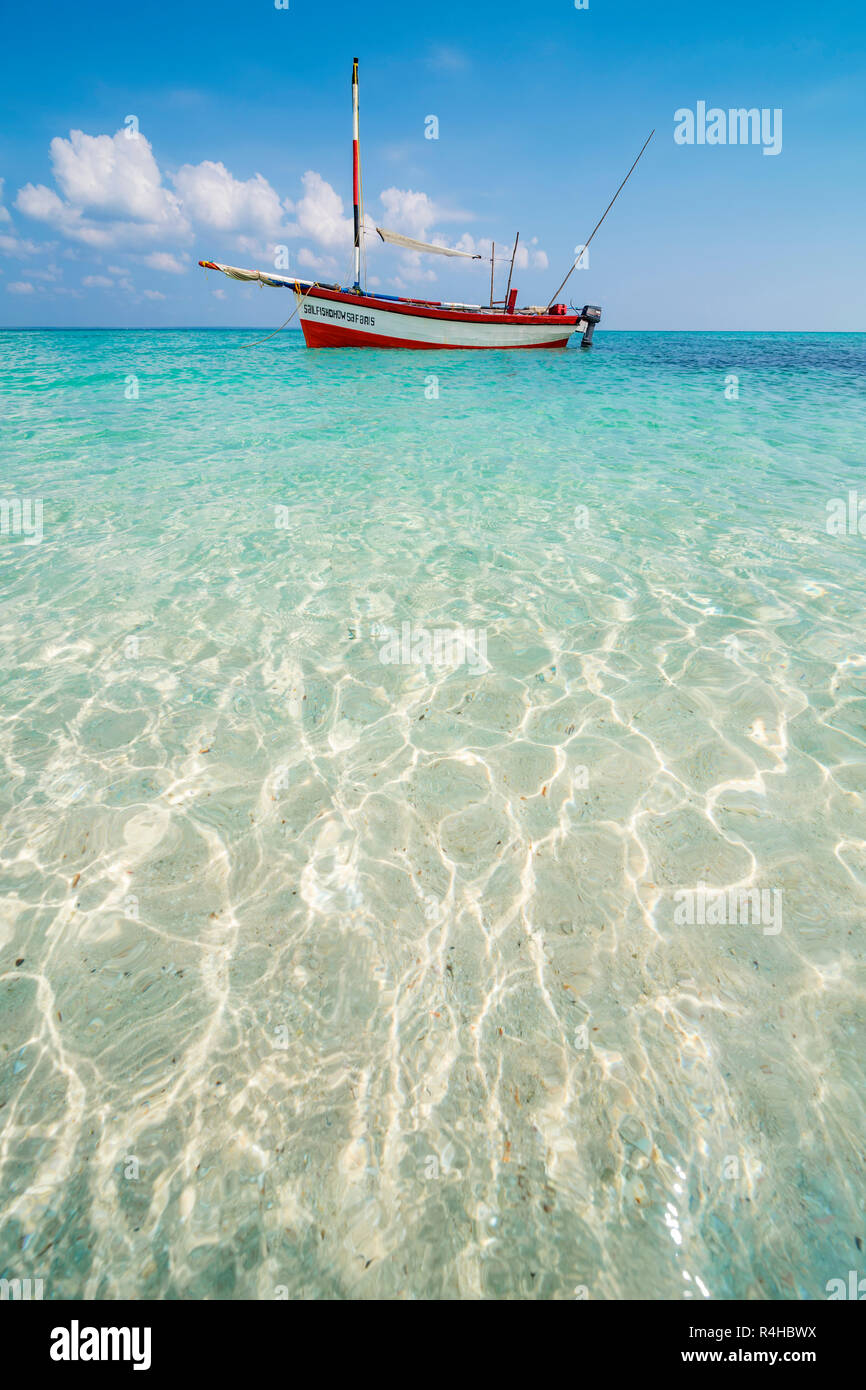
(301, 298)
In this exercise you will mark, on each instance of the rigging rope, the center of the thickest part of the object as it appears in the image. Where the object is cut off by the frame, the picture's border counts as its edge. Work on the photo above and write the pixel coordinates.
(301, 298)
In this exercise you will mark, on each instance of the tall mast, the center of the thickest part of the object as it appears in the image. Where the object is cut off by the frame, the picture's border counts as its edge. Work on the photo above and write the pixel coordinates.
(511, 271)
(356, 174)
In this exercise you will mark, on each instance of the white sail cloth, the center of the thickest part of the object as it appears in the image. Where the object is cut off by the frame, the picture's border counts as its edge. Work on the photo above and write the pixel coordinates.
(397, 239)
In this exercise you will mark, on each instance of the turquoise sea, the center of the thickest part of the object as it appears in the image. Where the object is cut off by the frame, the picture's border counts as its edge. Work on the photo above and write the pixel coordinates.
(366, 720)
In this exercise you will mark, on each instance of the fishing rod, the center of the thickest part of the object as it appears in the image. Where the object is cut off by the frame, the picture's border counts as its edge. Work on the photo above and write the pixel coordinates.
(603, 216)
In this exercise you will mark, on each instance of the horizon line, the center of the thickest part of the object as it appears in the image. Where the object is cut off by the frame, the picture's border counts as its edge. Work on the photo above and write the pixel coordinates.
(258, 328)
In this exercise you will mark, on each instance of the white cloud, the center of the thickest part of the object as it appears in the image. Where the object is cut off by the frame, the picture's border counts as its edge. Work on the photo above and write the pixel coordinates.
(112, 192)
(529, 256)
(262, 251)
(407, 211)
(415, 213)
(14, 246)
(4, 212)
(153, 294)
(400, 284)
(214, 198)
(113, 175)
(19, 287)
(97, 282)
(163, 260)
(43, 205)
(319, 213)
(526, 258)
(310, 261)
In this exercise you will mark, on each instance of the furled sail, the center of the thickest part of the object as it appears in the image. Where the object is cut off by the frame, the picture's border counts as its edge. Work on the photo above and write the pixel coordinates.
(274, 282)
(397, 239)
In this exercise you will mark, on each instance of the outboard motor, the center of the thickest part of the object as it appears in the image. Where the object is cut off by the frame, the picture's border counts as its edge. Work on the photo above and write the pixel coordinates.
(592, 314)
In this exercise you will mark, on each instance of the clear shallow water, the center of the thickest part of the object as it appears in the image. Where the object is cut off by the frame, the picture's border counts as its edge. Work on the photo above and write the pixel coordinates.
(347, 978)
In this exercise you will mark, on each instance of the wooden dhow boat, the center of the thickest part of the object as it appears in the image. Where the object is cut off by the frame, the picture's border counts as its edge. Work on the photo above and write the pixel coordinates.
(338, 316)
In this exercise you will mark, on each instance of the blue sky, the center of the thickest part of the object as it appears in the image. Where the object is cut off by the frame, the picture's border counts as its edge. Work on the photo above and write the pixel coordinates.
(244, 122)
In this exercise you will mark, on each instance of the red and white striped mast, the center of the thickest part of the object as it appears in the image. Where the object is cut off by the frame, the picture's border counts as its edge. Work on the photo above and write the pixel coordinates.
(356, 175)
